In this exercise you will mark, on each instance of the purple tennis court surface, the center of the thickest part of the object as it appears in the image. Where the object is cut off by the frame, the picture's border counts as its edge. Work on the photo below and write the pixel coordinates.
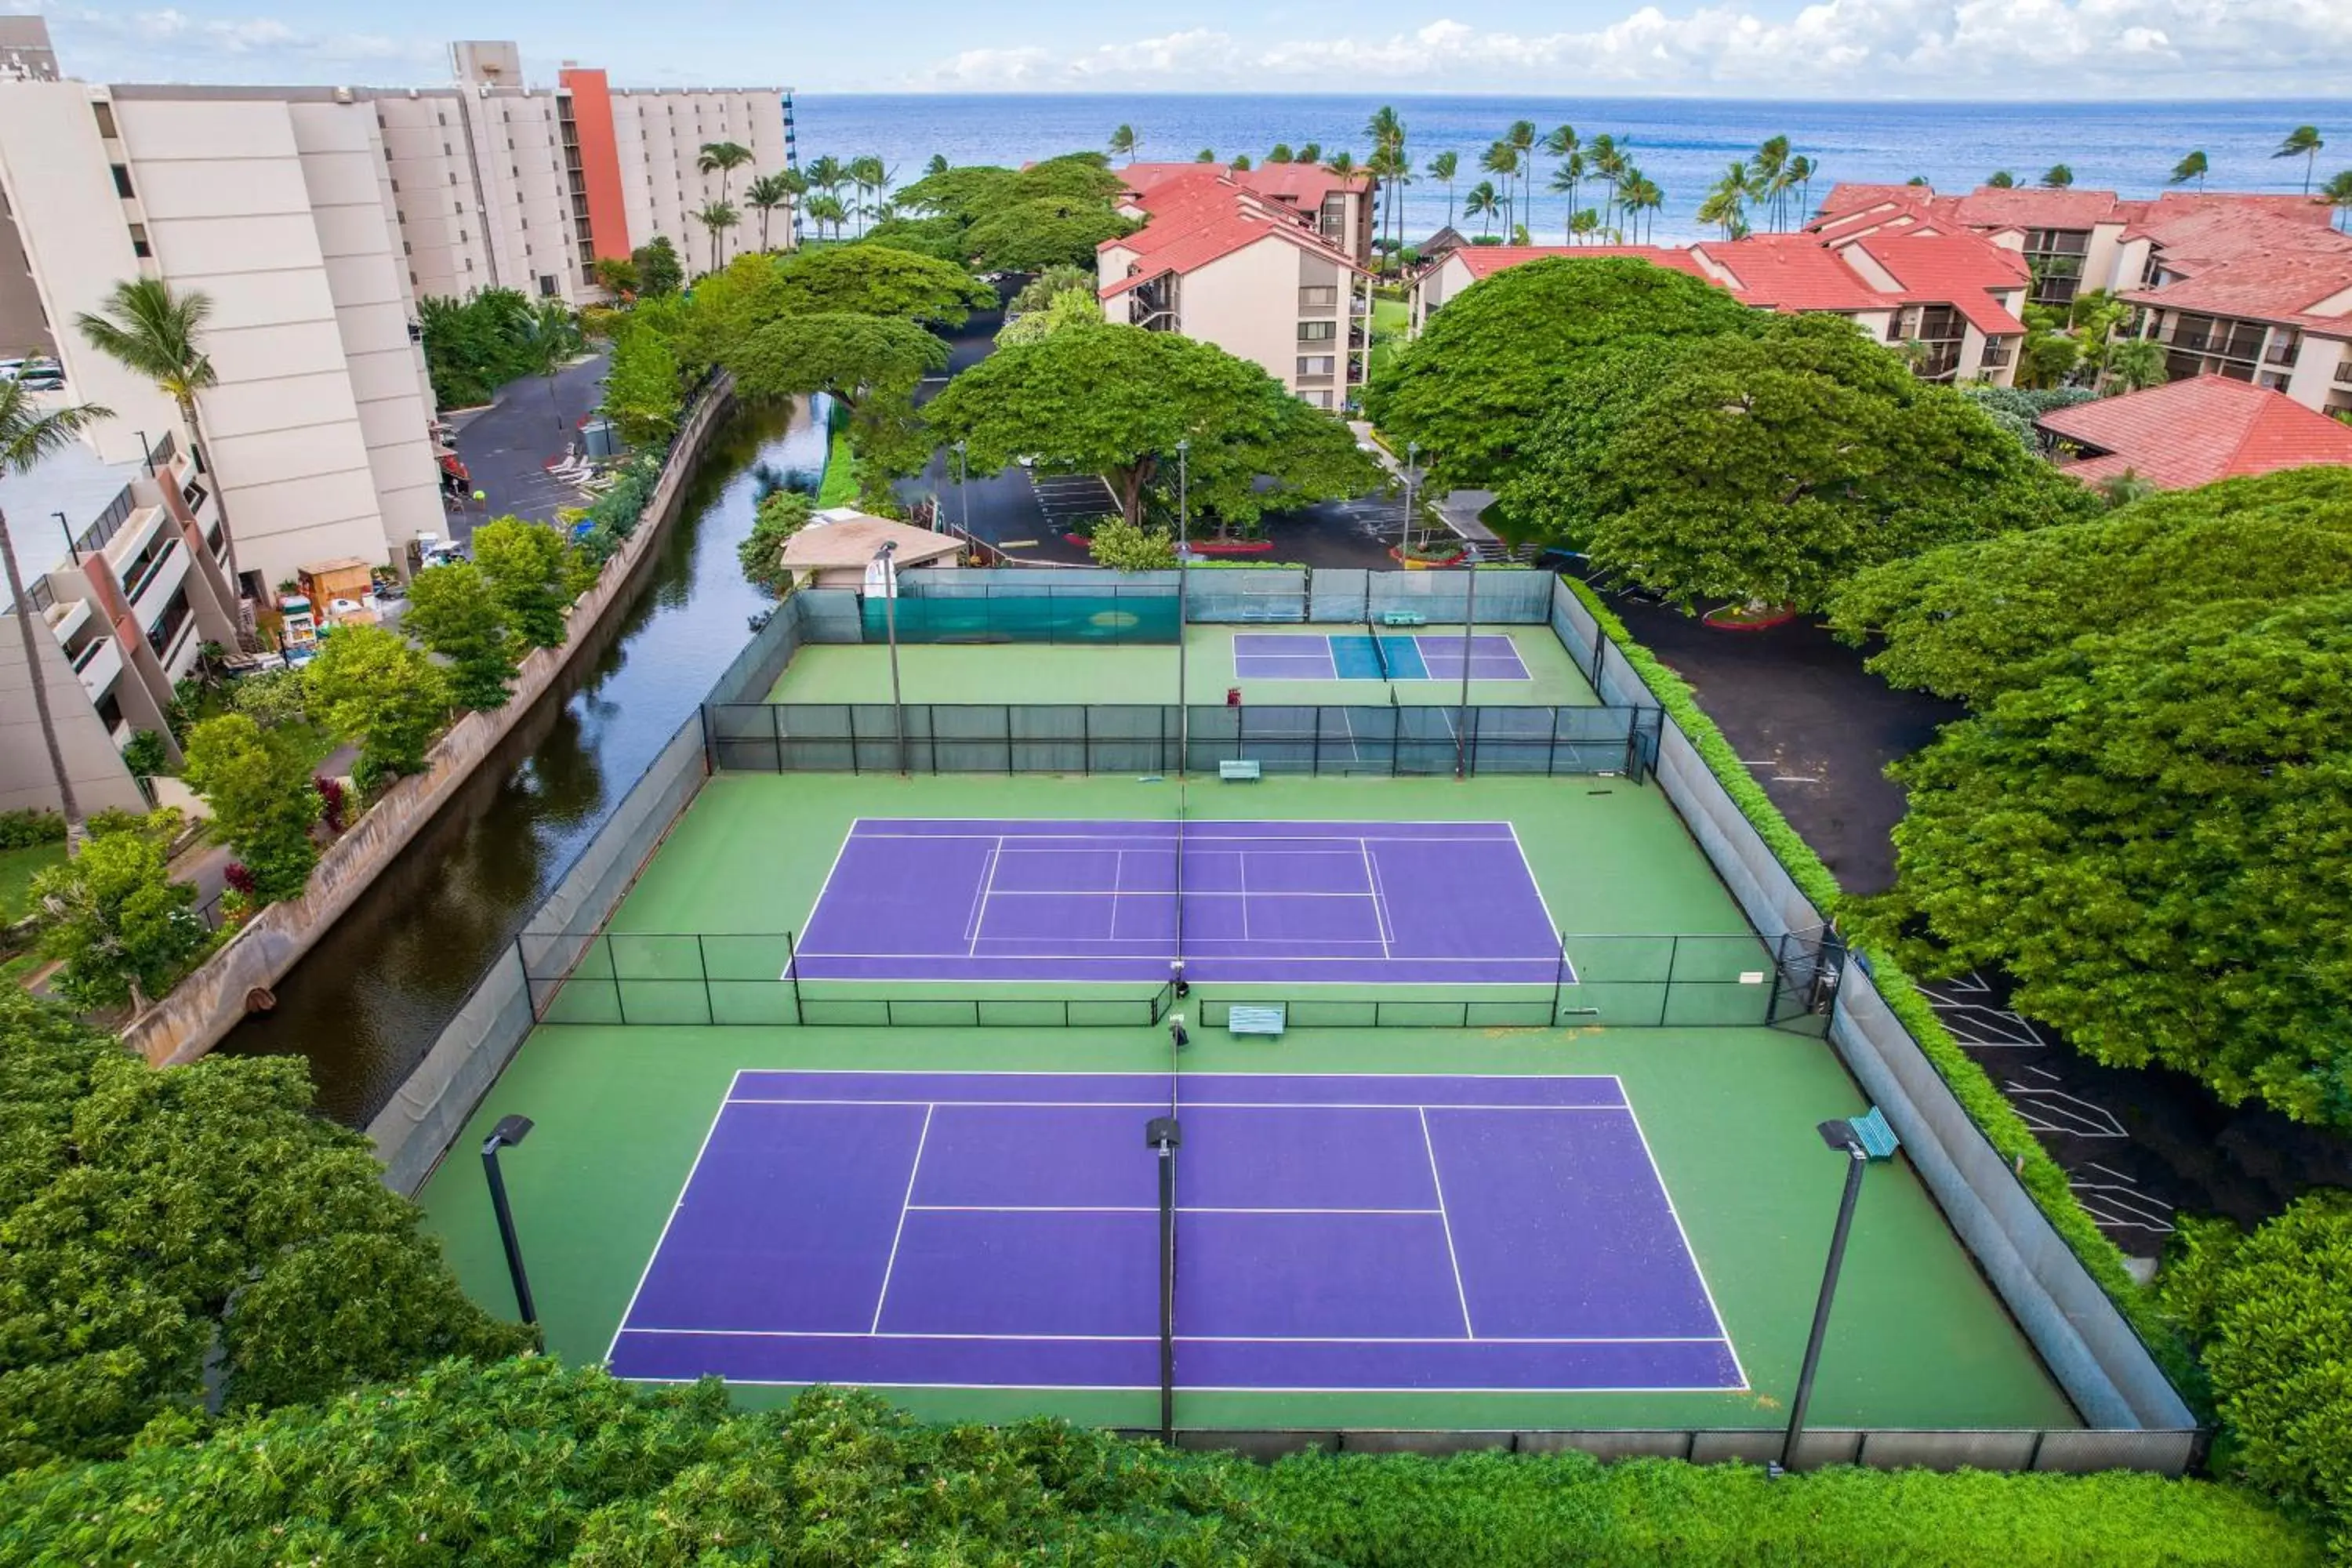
(1363, 902)
(1359, 656)
(1333, 1232)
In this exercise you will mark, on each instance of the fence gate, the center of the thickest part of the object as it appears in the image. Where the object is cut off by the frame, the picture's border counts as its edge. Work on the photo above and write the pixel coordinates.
(1806, 968)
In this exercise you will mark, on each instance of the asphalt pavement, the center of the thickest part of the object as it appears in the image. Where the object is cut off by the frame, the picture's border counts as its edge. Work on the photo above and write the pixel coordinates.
(508, 446)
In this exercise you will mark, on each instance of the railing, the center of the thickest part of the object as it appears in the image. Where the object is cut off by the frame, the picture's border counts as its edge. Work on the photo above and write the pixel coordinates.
(163, 451)
(147, 571)
(90, 650)
(110, 523)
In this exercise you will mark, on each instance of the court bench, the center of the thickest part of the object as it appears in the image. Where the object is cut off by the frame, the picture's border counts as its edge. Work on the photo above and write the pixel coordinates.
(1403, 618)
(1241, 1019)
(1233, 771)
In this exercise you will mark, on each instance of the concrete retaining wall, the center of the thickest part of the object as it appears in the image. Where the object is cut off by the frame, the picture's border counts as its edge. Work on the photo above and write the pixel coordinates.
(205, 1005)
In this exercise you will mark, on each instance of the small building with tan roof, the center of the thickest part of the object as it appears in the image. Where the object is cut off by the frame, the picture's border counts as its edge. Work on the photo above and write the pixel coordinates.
(834, 549)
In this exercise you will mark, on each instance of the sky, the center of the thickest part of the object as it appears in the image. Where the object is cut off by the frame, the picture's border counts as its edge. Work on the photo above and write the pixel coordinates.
(1841, 49)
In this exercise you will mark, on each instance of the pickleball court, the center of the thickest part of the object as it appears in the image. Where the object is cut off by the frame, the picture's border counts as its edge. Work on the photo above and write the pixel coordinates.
(1333, 1232)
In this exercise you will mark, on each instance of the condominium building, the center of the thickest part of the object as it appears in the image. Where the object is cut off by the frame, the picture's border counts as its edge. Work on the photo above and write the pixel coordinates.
(314, 218)
(1260, 276)
(139, 584)
(2256, 288)
(2192, 432)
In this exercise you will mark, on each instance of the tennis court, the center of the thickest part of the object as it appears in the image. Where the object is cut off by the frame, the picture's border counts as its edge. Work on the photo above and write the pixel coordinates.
(1245, 901)
(1342, 1232)
(1365, 656)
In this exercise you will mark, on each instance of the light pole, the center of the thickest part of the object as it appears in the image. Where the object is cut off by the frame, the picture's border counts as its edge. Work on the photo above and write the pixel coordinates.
(1469, 623)
(1411, 451)
(510, 1133)
(1162, 1137)
(1183, 559)
(964, 501)
(888, 579)
(1862, 1140)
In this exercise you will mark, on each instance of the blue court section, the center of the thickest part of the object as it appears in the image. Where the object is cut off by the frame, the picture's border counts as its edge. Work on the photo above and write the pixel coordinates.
(1359, 656)
(1449, 904)
(1333, 1232)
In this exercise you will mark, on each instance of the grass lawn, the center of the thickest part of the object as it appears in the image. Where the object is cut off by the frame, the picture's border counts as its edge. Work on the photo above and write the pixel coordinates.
(17, 868)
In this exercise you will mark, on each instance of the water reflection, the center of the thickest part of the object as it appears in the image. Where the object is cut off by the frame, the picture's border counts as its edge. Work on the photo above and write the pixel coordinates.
(369, 1000)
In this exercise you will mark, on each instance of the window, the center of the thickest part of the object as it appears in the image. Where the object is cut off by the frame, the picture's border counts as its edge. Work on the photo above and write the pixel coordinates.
(408, 248)
(121, 181)
(1316, 364)
(139, 245)
(1317, 331)
(547, 285)
(444, 152)
(1317, 399)
(105, 112)
(1317, 296)
(453, 176)
(443, 120)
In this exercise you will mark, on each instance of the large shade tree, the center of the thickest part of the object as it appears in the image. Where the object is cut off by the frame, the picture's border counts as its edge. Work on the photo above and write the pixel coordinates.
(1115, 401)
(2156, 845)
(1973, 620)
(1763, 469)
(1488, 368)
(852, 357)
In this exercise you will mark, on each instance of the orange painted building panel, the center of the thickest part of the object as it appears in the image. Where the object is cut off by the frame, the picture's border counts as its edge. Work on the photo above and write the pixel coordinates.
(600, 161)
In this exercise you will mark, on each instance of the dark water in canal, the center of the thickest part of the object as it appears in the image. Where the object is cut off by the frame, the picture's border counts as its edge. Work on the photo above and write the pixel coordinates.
(367, 1003)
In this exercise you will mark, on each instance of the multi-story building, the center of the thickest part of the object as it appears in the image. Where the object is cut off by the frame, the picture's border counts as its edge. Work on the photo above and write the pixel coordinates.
(138, 585)
(1951, 300)
(2190, 432)
(314, 219)
(1339, 207)
(2255, 288)
(1255, 274)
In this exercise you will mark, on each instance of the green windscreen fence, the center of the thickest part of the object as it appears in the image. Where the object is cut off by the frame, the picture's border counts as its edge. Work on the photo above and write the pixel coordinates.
(1093, 612)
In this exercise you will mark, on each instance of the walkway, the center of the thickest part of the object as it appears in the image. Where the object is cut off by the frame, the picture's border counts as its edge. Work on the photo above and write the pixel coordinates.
(507, 446)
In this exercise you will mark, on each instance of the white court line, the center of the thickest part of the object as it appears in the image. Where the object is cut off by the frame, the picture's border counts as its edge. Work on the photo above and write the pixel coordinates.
(1688, 1250)
(914, 1170)
(1230, 1388)
(1163, 1101)
(1533, 882)
(1380, 905)
(1551, 960)
(651, 1258)
(1241, 869)
(980, 910)
(1184, 1339)
(1460, 1294)
(824, 886)
(1140, 1208)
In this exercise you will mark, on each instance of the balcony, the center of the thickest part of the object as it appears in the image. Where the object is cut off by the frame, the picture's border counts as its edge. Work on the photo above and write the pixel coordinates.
(161, 571)
(99, 665)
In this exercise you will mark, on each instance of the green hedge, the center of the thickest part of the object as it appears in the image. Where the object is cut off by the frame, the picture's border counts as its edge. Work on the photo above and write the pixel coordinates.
(23, 829)
(524, 1462)
(1567, 1510)
(839, 486)
(1969, 1083)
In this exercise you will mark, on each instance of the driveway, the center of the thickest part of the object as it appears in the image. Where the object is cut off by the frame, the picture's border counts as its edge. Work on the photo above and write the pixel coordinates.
(507, 446)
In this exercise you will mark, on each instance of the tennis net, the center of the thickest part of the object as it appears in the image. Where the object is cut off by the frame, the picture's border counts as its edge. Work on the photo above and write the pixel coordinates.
(1379, 649)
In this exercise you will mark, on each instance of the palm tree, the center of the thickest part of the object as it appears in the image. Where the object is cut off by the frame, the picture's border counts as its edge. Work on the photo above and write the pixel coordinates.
(937, 165)
(825, 209)
(717, 217)
(1241, 164)
(1278, 154)
(1607, 162)
(1205, 155)
(1125, 140)
(1565, 180)
(2303, 143)
(1482, 203)
(2192, 167)
(1562, 143)
(2000, 180)
(551, 339)
(28, 435)
(1387, 163)
(1768, 174)
(1502, 158)
(723, 158)
(1445, 168)
(871, 179)
(2137, 362)
(1735, 188)
(1642, 195)
(1583, 225)
(1722, 208)
(1521, 140)
(764, 195)
(1308, 152)
(1802, 171)
(2058, 176)
(147, 329)
(1342, 163)
(2337, 193)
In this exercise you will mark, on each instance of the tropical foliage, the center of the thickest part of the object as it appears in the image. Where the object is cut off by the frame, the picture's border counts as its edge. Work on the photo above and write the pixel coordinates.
(257, 784)
(373, 689)
(124, 929)
(475, 346)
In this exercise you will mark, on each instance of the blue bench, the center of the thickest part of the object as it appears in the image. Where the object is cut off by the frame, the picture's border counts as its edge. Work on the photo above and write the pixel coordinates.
(1246, 1020)
(1403, 618)
(1238, 771)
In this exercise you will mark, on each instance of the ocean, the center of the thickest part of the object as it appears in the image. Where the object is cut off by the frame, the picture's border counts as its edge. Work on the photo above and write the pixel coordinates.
(1682, 144)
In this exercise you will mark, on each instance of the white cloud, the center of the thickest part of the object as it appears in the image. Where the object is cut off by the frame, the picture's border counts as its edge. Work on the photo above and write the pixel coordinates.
(1866, 47)
(172, 44)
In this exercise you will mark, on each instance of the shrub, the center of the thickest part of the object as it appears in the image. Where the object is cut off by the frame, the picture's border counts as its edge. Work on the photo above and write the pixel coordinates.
(334, 801)
(145, 756)
(271, 698)
(262, 803)
(23, 829)
(123, 929)
(380, 694)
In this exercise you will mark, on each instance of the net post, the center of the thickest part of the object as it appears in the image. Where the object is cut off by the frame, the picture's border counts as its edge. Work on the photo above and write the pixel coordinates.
(793, 974)
(1551, 751)
(1560, 977)
(849, 715)
(776, 733)
(612, 959)
(702, 963)
(1163, 1136)
(1008, 739)
(1666, 992)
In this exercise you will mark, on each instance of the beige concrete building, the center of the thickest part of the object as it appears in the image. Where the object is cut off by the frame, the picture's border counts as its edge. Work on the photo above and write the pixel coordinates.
(1252, 274)
(314, 218)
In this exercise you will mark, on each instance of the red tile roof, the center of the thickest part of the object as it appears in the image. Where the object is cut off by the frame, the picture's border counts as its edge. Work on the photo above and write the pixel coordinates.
(1795, 272)
(2285, 288)
(2035, 206)
(1203, 216)
(1963, 270)
(1485, 261)
(2189, 433)
(1305, 183)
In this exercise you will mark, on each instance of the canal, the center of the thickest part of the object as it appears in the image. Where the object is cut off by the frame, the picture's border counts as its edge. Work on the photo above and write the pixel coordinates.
(367, 1003)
